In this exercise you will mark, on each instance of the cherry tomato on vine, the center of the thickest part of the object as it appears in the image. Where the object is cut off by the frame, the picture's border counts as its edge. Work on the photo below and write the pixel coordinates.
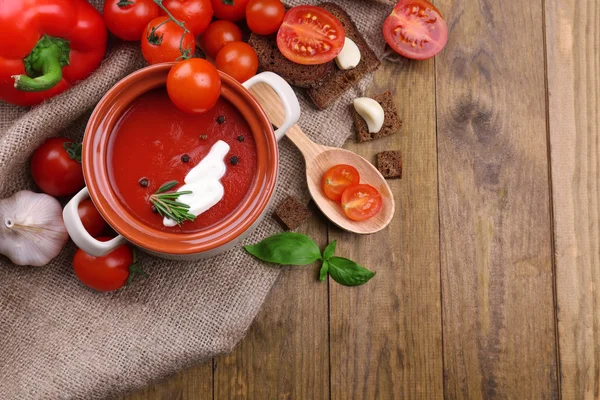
(230, 10)
(310, 35)
(239, 60)
(111, 272)
(196, 14)
(218, 34)
(264, 16)
(161, 41)
(361, 202)
(194, 85)
(338, 178)
(56, 167)
(92, 221)
(415, 29)
(127, 19)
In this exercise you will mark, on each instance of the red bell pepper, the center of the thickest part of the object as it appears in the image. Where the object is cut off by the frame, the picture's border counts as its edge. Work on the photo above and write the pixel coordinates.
(45, 45)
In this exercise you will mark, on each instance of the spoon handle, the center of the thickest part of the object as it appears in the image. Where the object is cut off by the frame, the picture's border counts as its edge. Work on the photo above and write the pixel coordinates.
(307, 147)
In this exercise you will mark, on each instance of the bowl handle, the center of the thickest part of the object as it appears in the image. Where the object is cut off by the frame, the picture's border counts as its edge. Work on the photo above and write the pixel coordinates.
(80, 236)
(285, 93)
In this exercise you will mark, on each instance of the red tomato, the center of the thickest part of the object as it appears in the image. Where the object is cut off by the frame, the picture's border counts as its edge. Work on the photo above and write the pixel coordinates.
(195, 13)
(338, 178)
(415, 29)
(126, 19)
(239, 60)
(105, 273)
(56, 167)
(310, 35)
(162, 44)
(264, 16)
(230, 10)
(194, 85)
(91, 218)
(361, 202)
(218, 34)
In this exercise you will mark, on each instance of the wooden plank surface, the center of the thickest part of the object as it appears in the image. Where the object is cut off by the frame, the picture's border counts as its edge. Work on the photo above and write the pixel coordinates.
(495, 223)
(573, 52)
(386, 335)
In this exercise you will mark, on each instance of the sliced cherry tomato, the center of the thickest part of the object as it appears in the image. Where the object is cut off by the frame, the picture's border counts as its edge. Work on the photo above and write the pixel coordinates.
(239, 60)
(218, 34)
(107, 273)
(194, 85)
(264, 16)
(161, 41)
(415, 29)
(56, 167)
(310, 35)
(361, 202)
(230, 10)
(91, 218)
(126, 19)
(338, 178)
(195, 13)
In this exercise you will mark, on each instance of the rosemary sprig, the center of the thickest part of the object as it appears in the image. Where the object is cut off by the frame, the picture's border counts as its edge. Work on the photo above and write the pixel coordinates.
(166, 204)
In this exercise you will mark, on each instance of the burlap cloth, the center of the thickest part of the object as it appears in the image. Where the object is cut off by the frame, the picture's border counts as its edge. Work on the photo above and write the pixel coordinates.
(60, 340)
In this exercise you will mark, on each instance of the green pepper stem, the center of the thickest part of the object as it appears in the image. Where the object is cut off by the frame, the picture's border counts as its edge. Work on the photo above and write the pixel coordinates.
(45, 64)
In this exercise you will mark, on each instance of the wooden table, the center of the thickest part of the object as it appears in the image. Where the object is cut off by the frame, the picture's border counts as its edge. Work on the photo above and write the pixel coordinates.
(487, 278)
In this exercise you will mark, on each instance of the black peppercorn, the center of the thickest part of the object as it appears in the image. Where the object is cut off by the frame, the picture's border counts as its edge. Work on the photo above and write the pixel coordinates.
(154, 210)
(144, 182)
(240, 138)
(220, 119)
(234, 160)
(185, 158)
(203, 137)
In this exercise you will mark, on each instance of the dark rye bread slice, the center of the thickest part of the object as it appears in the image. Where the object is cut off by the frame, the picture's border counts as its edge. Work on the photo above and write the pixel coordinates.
(271, 59)
(389, 163)
(339, 81)
(291, 213)
(391, 123)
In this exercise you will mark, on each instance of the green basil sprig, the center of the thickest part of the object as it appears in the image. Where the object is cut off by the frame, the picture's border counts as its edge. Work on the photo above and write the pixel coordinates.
(290, 248)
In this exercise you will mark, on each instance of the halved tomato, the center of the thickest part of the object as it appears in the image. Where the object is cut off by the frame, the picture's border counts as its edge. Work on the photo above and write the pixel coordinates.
(338, 178)
(310, 35)
(415, 29)
(361, 202)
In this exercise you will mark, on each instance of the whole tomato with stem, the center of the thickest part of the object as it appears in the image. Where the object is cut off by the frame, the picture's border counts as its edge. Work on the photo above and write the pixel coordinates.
(196, 14)
(264, 16)
(218, 34)
(230, 10)
(194, 85)
(92, 221)
(56, 167)
(239, 60)
(164, 41)
(107, 273)
(128, 19)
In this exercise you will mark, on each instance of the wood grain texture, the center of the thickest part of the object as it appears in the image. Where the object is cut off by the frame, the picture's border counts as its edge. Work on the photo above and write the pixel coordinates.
(573, 53)
(386, 335)
(285, 354)
(495, 223)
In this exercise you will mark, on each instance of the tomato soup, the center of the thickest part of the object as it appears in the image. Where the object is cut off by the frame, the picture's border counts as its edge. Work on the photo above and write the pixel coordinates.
(154, 142)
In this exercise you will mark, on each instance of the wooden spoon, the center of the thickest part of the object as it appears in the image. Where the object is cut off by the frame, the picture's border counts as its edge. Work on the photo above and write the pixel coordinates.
(319, 159)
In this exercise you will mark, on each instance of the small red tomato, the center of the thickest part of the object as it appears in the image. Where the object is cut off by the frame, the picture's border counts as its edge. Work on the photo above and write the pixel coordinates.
(107, 273)
(91, 218)
(230, 10)
(162, 43)
(194, 85)
(56, 167)
(264, 16)
(127, 19)
(218, 34)
(361, 202)
(195, 13)
(239, 60)
(338, 178)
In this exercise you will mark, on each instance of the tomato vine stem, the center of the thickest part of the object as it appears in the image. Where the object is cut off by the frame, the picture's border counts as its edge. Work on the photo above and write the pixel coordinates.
(185, 53)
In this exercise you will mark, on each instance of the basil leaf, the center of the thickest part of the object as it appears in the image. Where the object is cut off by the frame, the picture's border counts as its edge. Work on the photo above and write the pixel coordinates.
(287, 248)
(324, 270)
(347, 272)
(329, 250)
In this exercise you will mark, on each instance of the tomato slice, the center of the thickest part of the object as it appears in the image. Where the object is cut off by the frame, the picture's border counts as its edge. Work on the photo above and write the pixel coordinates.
(338, 178)
(310, 35)
(415, 29)
(361, 202)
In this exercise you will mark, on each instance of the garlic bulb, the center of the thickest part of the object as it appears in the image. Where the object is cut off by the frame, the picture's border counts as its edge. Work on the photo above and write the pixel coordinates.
(32, 231)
